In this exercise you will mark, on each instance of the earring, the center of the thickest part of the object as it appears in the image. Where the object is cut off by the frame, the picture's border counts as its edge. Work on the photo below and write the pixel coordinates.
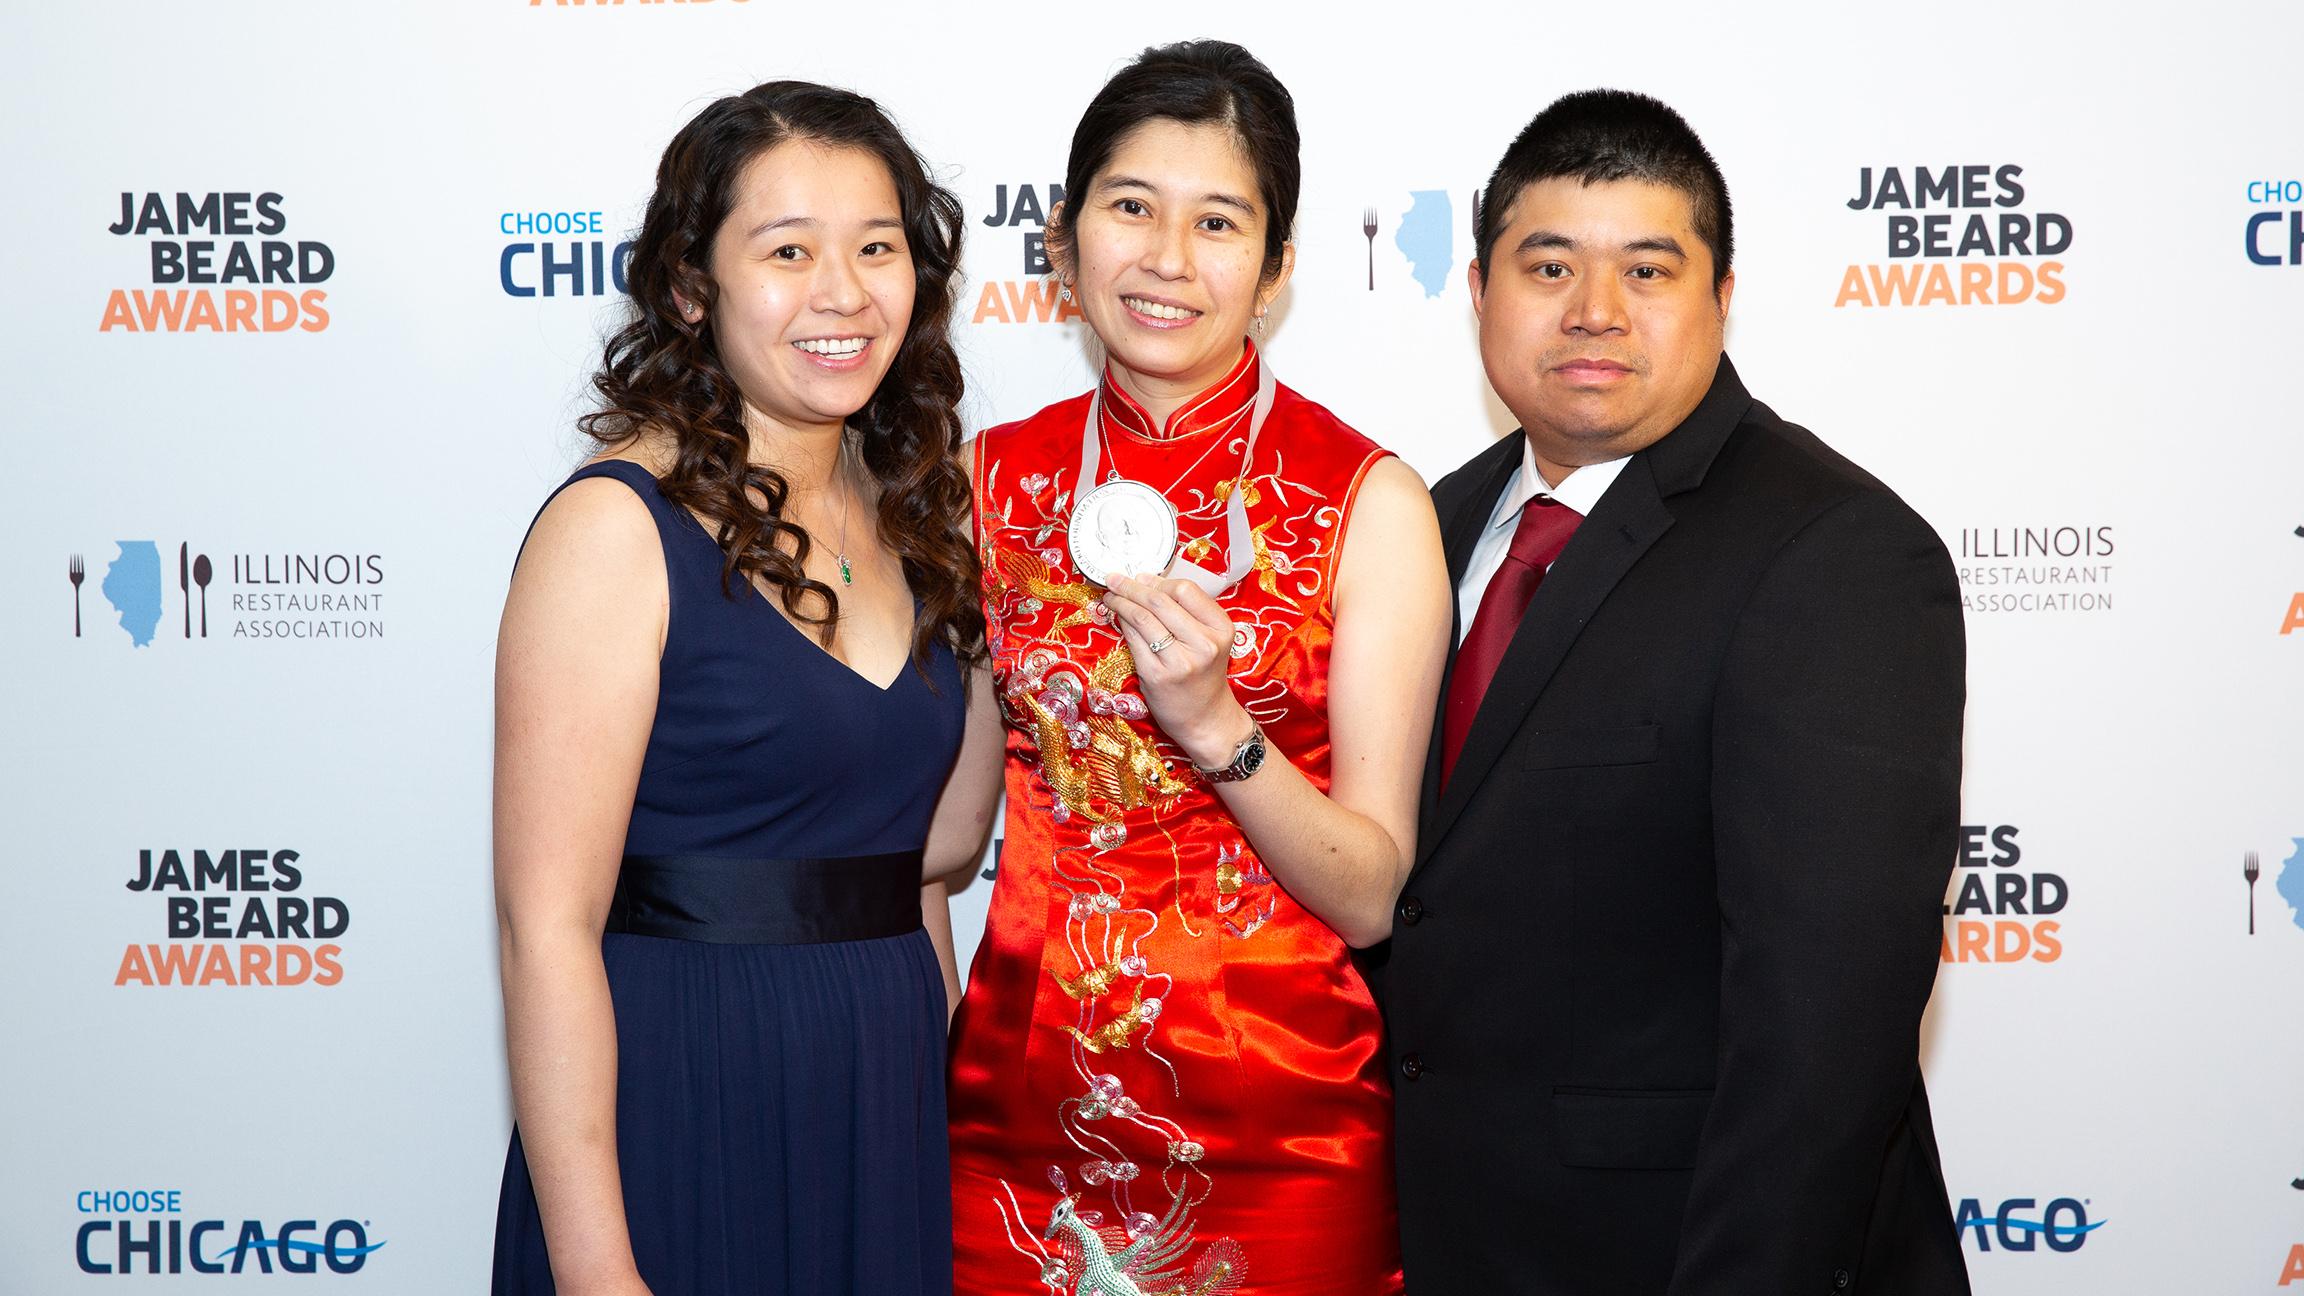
(1259, 323)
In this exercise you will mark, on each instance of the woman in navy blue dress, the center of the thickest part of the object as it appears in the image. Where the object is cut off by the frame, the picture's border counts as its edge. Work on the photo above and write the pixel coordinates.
(741, 736)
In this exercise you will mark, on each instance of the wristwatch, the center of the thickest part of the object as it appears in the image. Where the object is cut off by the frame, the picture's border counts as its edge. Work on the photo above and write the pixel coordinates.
(1247, 758)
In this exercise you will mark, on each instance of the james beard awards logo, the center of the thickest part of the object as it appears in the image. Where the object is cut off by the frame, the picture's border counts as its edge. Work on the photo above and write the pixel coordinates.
(277, 595)
(147, 1230)
(1998, 913)
(560, 254)
(1034, 297)
(2052, 567)
(2275, 229)
(222, 239)
(1956, 235)
(2022, 1224)
(239, 918)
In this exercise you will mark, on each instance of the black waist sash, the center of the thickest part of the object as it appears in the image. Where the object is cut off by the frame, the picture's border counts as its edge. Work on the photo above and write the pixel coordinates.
(767, 901)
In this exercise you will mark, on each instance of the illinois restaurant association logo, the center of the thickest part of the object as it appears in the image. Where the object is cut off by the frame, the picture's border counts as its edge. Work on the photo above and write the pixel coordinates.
(1999, 909)
(1024, 290)
(239, 916)
(1959, 234)
(2023, 1224)
(150, 1230)
(1424, 234)
(2038, 568)
(217, 262)
(2275, 228)
(560, 252)
(282, 595)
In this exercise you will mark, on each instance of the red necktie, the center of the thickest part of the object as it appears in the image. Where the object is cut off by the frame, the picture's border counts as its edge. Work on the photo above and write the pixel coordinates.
(1545, 525)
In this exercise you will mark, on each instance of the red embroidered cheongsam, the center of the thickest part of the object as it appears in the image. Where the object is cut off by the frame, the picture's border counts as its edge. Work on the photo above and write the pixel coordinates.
(1166, 1076)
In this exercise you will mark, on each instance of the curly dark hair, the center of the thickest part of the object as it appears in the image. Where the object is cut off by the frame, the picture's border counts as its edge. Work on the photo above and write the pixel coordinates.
(661, 373)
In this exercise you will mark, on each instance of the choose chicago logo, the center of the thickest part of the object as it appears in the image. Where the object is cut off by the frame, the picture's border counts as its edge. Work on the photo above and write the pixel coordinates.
(148, 1230)
(1999, 913)
(2054, 568)
(1034, 296)
(226, 239)
(1956, 235)
(283, 595)
(2023, 1224)
(554, 253)
(2275, 230)
(235, 918)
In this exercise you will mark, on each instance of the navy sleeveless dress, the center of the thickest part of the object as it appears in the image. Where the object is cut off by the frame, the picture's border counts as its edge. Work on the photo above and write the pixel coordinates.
(780, 1014)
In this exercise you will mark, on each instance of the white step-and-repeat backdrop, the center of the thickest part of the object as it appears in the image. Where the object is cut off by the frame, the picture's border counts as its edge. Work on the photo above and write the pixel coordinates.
(306, 298)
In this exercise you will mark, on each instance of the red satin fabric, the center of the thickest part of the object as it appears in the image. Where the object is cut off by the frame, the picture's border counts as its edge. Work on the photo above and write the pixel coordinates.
(1222, 1070)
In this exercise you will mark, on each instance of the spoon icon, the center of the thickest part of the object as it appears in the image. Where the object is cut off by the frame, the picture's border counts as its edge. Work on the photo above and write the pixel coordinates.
(202, 572)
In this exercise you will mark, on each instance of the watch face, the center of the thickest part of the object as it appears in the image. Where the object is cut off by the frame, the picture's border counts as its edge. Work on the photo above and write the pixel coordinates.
(1252, 759)
(1120, 528)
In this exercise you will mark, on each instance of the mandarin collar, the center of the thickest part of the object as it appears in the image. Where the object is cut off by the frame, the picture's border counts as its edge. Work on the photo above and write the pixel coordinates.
(1224, 403)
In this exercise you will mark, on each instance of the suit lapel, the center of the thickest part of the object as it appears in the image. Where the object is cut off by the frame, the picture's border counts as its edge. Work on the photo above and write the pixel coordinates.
(1459, 536)
(1627, 520)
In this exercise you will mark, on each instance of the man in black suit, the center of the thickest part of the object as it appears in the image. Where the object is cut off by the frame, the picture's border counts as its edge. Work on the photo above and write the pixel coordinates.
(1654, 987)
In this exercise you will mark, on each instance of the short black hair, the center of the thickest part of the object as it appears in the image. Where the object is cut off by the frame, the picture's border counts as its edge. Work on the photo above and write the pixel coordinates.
(1597, 136)
(1202, 82)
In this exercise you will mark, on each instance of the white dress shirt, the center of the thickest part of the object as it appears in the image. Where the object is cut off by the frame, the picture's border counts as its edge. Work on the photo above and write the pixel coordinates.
(1581, 491)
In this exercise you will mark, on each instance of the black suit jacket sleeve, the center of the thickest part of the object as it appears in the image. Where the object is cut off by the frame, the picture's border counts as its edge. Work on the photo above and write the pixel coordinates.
(1836, 779)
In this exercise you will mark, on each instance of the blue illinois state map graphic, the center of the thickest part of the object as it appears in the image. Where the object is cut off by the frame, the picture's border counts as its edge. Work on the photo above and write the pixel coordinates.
(1427, 239)
(2292, 882)
(132, 587)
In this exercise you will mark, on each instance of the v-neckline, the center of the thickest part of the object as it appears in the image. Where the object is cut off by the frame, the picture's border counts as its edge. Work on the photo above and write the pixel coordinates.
(768, 606)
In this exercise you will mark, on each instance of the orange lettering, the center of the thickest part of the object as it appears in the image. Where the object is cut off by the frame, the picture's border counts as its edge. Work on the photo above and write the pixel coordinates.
(202, 314)
(989, 307)
(292, 965)
(331, 971)
(1975, 942)
(2010, 941)
(316, 315)
(255, 965)
(158, 307)
(2015, 282)
(1975, 285)
(1897, 288)
(219, 964)
(2295, 619)
(279, 311)
(177, 963)
(116, 313)
(132, 964)
(2051, 282)
(2045, 947)
(2294, 1269)
(1852, 288)
(1939, 287)
(239, 311)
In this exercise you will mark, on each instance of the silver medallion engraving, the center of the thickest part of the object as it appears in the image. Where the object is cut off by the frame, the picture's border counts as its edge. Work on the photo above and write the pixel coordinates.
(1120, 528)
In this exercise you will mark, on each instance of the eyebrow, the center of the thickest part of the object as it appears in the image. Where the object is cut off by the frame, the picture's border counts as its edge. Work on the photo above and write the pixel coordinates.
(810, 222)
(1543, 238)
(1131, 182)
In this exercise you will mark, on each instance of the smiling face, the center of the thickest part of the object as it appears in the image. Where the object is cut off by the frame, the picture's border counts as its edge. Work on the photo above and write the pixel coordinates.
(1166, 252)
(1600, 326)
(815, 283)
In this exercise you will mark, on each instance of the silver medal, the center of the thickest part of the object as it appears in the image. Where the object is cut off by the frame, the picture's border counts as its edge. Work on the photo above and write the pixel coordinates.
(1121, 528)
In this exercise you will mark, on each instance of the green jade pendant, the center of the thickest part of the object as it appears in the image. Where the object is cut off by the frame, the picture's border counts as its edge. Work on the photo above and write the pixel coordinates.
(846, 577)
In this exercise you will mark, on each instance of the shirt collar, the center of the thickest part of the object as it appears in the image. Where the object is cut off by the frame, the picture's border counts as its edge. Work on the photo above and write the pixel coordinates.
(1224, 403)
(1581, 491)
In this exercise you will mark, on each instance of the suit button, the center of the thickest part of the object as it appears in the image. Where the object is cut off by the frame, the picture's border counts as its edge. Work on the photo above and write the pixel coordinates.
(1840, 1280)
(1411, 910)
(1411, 1065)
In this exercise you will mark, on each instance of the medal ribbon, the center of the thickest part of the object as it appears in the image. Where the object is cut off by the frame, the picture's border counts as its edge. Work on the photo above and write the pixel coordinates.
(1239, 545)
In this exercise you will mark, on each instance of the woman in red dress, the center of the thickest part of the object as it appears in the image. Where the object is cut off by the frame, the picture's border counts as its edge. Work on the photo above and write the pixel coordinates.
(1166, 1073)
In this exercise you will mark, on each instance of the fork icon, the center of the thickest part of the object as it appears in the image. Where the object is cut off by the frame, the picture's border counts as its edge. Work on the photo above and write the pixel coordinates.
(1368, 227)
(77, 570)
(2250, 871)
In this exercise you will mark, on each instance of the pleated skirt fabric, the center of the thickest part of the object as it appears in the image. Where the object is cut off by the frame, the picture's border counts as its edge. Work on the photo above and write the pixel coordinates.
(780, 1121)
